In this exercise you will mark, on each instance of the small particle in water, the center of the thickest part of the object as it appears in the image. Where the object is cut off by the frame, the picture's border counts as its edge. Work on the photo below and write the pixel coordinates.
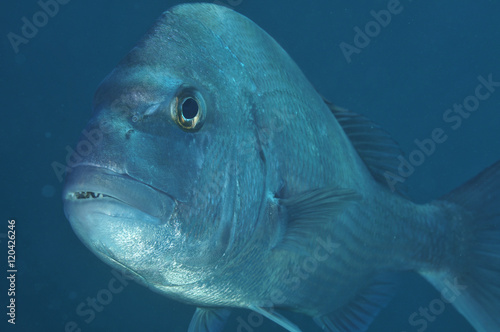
(48, 191)
(48, 134)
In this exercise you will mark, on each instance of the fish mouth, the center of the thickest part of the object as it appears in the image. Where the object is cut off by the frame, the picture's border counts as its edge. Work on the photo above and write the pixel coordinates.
(91, 188)
(88, 194)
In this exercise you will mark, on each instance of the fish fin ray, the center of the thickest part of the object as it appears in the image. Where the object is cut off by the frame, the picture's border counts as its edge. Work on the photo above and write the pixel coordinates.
(479, 273)
(209, 320)
(305, 212)
(378, 150)
(360, 312)
(276, 317)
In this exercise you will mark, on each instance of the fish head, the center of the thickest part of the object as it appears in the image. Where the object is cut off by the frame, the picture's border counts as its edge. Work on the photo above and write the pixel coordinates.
(168, 176)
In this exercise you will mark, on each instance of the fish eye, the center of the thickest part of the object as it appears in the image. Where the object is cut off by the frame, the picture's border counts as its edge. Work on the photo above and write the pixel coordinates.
(188, 110)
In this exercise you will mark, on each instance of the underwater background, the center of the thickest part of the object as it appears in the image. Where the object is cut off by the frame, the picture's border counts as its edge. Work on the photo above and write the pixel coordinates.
(404, 75)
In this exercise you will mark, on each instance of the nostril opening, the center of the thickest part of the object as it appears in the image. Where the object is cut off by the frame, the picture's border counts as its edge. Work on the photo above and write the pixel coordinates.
(129, 133)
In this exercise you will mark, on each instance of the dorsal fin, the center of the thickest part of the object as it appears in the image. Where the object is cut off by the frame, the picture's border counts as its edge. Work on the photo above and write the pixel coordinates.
(374, 145)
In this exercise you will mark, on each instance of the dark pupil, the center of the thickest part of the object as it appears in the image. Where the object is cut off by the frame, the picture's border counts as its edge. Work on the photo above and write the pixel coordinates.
(189, 108)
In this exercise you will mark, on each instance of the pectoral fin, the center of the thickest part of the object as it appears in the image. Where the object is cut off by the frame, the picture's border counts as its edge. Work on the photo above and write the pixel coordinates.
(304, 213)
(209, 320)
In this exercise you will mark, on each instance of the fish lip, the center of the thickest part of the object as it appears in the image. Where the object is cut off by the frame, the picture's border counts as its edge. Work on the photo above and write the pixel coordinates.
(91, 183)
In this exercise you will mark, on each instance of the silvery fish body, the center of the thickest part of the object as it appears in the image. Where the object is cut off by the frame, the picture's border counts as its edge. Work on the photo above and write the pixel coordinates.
(218, 176)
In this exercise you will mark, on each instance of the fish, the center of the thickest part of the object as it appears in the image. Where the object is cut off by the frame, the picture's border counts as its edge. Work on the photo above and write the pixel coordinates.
(213, 172)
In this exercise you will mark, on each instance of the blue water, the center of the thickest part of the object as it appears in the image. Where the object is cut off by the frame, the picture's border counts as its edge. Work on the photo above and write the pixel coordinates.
(426, 59)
